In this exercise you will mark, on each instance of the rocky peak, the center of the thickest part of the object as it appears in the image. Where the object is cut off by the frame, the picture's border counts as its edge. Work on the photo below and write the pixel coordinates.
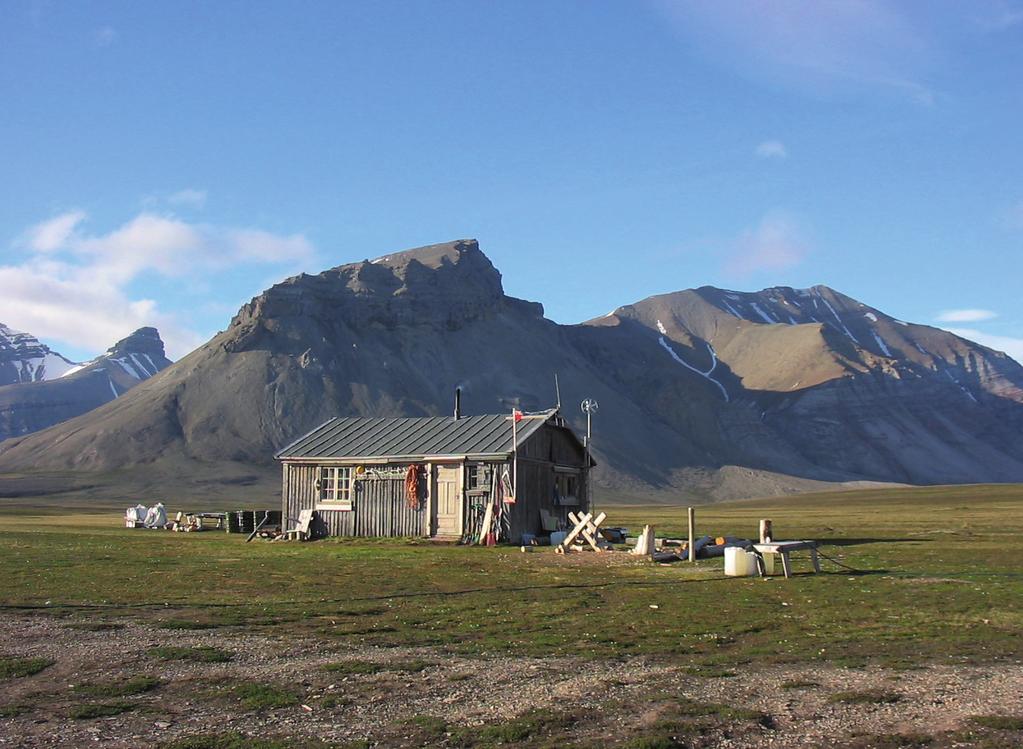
(440, 286)
(140, 355)
(24, 359)
(142, 341)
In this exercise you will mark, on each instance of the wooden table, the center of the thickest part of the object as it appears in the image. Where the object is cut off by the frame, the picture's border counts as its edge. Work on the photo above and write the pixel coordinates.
(784, 548)
(198, 519)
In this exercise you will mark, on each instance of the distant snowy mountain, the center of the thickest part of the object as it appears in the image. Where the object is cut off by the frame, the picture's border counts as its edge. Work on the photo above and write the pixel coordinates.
(29, 406)
(24, 359)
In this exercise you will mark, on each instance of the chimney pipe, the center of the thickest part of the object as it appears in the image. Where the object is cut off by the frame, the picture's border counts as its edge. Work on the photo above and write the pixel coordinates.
(458, 403)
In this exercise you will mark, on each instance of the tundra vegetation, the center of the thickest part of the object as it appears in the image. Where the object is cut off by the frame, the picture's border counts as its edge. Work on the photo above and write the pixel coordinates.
(202, 640)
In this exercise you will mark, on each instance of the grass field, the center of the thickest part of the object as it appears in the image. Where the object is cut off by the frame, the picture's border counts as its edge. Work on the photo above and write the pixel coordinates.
(936, 579)
(939, 577)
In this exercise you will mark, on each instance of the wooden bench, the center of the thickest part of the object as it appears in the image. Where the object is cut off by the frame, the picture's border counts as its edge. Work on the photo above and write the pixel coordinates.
(784, 548)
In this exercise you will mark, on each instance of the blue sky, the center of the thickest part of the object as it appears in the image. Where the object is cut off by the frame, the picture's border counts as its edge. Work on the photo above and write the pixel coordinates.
(162, 163)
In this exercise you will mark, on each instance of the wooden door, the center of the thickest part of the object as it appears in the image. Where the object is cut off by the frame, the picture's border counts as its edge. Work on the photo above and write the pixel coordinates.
(447, 501)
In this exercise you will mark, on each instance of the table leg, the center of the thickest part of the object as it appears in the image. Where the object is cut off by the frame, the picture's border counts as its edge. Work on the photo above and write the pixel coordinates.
(761, 566)
(786, 564)
(816, 560)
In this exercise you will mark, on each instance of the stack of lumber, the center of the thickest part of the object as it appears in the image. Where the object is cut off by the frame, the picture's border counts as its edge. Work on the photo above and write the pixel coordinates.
(671, 549)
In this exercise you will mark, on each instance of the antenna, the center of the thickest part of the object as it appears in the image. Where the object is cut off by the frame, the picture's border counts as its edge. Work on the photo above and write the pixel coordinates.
(557, 390)
(589, 407)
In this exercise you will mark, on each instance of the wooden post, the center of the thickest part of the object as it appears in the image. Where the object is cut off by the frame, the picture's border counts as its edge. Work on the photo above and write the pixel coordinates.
(692, 535)
(766, 534)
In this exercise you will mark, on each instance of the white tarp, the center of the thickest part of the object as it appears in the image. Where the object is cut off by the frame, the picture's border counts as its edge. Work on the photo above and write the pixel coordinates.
(156, 517)
(136, 514)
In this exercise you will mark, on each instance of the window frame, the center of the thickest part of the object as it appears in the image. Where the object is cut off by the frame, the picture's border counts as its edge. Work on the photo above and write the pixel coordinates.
(335, 488)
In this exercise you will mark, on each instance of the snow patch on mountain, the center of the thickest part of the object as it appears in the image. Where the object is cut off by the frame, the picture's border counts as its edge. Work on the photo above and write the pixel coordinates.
(881, 344)
(24, 359)
(713, 357)
(767, 319)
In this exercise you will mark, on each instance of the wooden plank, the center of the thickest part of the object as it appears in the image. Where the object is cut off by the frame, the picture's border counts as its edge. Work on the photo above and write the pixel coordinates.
(646, 542)
(576, 530)
(266, 517)
(692, 535)
(488, 518)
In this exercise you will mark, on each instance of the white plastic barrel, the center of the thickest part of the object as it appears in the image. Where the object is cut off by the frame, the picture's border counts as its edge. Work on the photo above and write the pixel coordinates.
(736, 562)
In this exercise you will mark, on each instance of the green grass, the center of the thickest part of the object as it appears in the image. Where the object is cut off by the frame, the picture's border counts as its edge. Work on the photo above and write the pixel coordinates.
(100, 710)
(134, 685)
(799, 684)
(187, 624)
(998, 722)
(353, 668)
(96, 626)
(524, 730)
(866, 697)
(257, 696)
(941, 584)
(199, 654)
(236, 740)
(892, 741)
(17, 667)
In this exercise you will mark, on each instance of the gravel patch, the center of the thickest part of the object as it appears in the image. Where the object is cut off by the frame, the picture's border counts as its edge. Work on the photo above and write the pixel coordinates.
(194, 697)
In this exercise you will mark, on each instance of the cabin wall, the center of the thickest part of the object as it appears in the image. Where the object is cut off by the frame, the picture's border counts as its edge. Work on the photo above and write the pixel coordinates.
(555, 445)
(538, 456)
(379, 506)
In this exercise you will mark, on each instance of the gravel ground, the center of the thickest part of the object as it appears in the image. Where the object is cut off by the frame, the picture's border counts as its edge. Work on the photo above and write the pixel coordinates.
(460, 690)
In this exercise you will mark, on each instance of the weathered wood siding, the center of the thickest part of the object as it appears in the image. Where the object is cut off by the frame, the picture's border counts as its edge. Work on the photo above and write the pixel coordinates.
(535, 490)
(555, 445)
(550, 446)
(379, 506)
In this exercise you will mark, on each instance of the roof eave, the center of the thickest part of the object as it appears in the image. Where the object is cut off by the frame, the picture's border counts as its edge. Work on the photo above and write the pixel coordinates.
(392, 458)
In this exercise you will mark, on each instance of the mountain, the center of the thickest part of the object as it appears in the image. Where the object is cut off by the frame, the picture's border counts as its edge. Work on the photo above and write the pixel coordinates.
(845, 385)
(703, 393)
(27, 407)
(24, 359)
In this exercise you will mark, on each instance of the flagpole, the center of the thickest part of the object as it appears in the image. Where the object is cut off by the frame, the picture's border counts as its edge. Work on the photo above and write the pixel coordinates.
(515, 456)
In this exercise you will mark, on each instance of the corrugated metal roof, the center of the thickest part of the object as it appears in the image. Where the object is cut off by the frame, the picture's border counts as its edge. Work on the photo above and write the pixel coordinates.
(358, 437)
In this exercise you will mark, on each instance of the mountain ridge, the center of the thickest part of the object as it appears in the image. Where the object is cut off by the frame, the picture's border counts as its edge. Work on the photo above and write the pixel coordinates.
(23, 358)
(700, 392)
(28, 407)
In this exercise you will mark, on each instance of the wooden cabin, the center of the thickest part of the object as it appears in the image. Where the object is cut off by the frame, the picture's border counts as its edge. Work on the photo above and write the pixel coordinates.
(436, 476)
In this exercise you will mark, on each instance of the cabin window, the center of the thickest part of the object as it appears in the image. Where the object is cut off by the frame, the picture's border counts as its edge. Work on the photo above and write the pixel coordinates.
(566, 488)
(336, 485)
(477, 479)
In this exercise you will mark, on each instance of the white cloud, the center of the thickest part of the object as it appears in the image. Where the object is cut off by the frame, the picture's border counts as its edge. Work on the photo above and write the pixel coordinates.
(776, 243)
(188, 197)
(817, 46)
(772, 149)
(1008, 344)
(54, 233)
(74, 286)
(966, 315)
